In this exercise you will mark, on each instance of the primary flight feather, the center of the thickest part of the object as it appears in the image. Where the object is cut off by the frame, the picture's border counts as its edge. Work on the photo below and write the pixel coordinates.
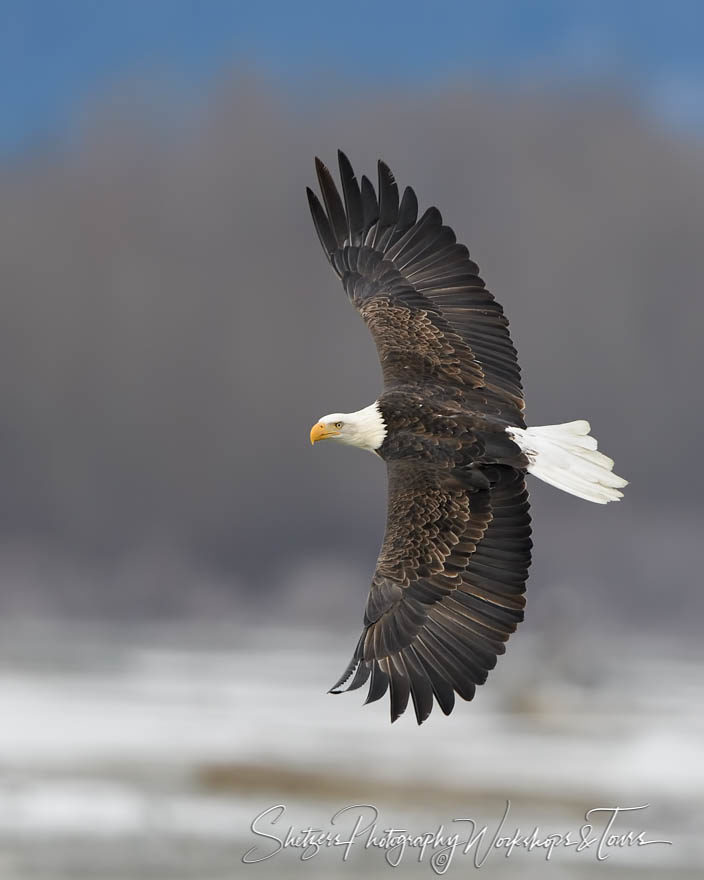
(449, 584)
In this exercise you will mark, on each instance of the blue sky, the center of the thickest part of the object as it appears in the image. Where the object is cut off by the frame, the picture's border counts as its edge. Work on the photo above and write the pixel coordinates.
(57, 54)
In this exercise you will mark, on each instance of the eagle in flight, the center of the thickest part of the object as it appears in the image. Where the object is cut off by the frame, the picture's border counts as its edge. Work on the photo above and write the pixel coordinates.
(449, 583)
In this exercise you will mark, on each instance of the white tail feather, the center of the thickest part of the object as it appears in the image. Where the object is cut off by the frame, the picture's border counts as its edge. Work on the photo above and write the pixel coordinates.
(566, 457)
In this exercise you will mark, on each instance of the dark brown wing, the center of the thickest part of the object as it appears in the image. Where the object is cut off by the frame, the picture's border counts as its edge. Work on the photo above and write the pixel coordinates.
(417, 290)
(447, 591)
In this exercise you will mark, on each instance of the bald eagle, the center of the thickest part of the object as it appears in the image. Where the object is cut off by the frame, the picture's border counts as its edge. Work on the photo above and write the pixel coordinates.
(449, 583)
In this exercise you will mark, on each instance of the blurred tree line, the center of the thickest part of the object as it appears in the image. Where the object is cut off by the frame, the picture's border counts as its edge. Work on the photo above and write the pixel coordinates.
(169, 329)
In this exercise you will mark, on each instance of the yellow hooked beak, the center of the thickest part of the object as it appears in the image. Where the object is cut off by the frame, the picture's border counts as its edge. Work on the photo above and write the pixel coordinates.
(322, 432)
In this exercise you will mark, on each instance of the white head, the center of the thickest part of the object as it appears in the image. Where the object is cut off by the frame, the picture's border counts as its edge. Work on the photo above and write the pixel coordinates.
(364, 428)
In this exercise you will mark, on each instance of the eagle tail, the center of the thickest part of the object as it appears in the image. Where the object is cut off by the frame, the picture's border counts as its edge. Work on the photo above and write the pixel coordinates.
(566, 456)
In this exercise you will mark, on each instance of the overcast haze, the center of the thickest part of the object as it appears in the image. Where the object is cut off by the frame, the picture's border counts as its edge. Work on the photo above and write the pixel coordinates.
(170, 329)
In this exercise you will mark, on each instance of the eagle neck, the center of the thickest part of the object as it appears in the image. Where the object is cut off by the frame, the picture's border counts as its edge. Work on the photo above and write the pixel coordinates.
(370, 427)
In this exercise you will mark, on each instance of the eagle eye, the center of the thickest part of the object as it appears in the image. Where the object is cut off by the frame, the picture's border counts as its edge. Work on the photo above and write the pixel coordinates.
(338, 424)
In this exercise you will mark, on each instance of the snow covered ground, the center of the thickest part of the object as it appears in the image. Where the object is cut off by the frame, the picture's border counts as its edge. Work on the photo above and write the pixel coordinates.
(148, 753)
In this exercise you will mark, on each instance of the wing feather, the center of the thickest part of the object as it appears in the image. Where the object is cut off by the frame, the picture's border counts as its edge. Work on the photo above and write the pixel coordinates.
(322, 224)
(370, 205)
(354, 207)
(408, 210)
(388, 202)
(333, 203)
(378, 684)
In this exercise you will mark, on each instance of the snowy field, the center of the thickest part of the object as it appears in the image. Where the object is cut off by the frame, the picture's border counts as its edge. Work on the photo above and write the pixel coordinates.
(131, 753)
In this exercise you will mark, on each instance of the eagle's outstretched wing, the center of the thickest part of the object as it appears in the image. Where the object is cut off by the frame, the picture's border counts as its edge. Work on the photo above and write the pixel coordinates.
(447, 591)
(418, 291)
